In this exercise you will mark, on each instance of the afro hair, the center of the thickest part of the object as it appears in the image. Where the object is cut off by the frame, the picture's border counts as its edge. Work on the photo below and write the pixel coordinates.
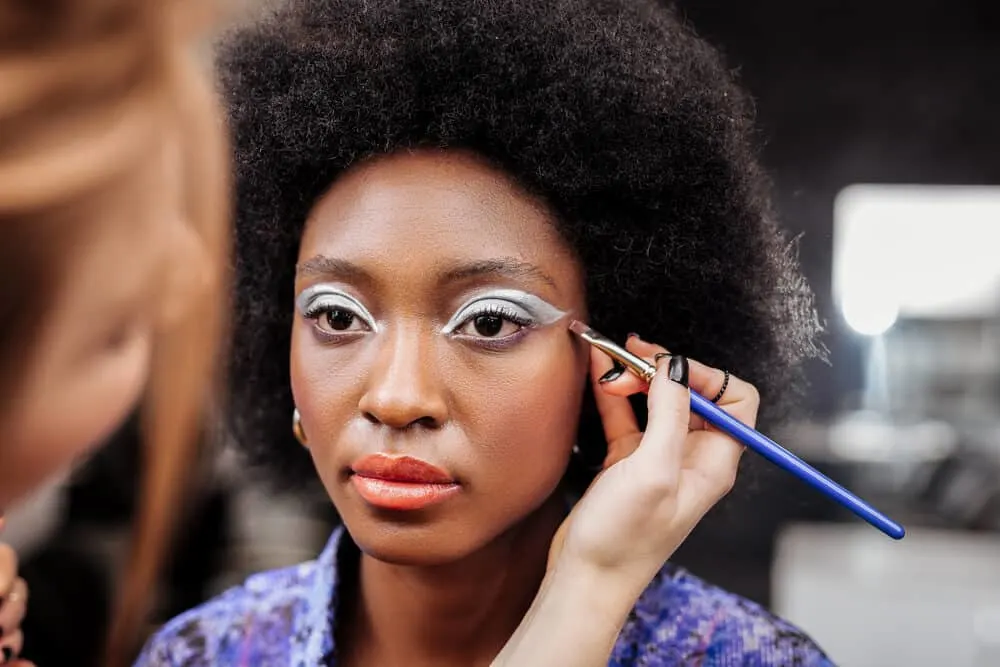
(613, 112)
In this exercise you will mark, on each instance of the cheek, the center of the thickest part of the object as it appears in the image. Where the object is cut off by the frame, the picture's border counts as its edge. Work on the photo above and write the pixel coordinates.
(65, 415)
(526, 416)
(321, 382)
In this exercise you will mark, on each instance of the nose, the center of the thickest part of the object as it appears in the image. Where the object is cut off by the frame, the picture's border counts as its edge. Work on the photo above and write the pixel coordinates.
(404, 387)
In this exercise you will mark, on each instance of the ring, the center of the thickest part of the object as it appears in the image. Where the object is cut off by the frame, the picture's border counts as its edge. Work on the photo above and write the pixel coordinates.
(725, 385)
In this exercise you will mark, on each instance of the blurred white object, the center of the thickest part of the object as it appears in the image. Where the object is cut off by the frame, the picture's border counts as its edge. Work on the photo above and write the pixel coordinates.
(923, 251)
(930, 600)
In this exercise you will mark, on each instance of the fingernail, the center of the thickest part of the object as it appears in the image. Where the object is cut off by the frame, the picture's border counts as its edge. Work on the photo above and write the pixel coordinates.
(613, 374)
(677, 371)
(8, 653)
(633, 335)
(660, 355)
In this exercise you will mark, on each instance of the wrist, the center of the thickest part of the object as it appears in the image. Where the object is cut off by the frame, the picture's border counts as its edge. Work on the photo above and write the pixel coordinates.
(614, 590)
(575, 619)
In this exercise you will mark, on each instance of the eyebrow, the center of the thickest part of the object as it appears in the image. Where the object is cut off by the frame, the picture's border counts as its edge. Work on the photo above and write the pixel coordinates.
(506, 267)
(321, 266)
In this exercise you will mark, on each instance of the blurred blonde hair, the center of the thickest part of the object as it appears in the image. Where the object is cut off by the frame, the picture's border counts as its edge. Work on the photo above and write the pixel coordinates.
(89, 90)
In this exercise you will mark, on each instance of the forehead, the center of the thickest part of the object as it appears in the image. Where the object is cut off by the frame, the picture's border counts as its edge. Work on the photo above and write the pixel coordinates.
(424, 213)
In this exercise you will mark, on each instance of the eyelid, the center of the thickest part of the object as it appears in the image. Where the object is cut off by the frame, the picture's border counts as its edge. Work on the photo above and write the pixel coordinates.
(531, 307)
(482, 305)
(307, 300)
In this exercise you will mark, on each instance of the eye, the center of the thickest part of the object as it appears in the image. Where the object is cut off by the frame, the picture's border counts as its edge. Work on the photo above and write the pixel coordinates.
(337, 320)
(493, 320)
(335, 313)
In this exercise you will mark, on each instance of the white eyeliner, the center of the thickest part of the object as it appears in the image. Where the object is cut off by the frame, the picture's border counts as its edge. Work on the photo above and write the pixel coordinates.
(536, 308)
(337, 297)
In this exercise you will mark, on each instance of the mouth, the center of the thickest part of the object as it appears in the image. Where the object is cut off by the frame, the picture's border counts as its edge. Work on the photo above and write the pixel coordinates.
(401, 482)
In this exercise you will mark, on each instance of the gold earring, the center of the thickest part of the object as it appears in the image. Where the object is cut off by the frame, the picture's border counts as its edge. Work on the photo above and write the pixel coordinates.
(300, 434)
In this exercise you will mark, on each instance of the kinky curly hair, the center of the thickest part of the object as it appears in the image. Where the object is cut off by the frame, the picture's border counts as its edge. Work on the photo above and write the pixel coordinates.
(613, 112)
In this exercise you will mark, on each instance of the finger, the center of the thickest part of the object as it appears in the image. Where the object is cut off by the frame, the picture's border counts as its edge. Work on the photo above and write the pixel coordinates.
(650, 352)
(628, 383)
(740, 399)
(617, 415)
(14, 607)
(8, 570)
(10, 647)
(662, 448)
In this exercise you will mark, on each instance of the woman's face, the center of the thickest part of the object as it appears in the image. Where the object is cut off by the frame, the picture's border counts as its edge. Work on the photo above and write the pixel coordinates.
(438, 386)
(91, 357)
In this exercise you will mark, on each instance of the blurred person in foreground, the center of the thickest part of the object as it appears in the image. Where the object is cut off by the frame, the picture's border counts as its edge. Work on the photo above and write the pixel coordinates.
(113, 216)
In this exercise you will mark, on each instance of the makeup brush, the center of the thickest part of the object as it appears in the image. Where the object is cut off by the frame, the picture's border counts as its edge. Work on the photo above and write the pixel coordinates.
(754, 440)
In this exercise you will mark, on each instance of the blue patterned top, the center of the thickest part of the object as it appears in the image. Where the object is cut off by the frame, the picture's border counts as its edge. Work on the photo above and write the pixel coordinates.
(286, 618)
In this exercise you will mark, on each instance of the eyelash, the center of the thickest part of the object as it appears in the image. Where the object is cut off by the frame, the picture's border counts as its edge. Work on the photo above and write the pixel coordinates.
(504, 313)
(320, 307)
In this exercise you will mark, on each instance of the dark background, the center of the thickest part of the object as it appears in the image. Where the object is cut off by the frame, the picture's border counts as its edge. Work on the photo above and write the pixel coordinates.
(846, 92)
(861, 92)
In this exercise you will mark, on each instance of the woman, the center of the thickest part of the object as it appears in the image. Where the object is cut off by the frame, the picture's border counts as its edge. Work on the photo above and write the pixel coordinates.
(113, 220)
(428, 193)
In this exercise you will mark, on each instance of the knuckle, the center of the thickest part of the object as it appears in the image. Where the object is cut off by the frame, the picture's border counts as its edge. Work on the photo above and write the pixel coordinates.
(657, 489)
(727, 482)
(652, 487)
(752, 394)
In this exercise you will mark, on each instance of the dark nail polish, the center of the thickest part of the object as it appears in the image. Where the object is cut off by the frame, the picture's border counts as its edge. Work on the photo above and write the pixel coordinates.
(8, 653)
(660, 355)
(678, 370)
(613, 374)
(632, 335)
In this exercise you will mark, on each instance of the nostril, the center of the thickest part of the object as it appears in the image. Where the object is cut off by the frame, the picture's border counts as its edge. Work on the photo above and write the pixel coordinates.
(421, 422)
(426, 422)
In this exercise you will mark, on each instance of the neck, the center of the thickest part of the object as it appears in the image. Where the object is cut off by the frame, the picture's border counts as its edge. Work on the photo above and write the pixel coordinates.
(461, 613)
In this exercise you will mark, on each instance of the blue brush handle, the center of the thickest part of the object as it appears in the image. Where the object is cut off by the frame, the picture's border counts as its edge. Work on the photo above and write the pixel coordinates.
(785, 460)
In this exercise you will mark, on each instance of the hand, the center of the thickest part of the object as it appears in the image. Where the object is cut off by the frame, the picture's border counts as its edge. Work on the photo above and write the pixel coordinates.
(13, 605)
(655, 486)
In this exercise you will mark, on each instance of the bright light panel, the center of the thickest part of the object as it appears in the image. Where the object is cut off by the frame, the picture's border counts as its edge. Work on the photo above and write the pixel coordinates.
(923, 251)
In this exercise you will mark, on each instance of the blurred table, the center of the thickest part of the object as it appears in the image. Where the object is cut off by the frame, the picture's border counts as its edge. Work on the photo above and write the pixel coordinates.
(930, 600)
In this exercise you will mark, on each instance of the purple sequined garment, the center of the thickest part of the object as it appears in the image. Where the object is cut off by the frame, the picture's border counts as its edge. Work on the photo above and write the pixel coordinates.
(283, 618)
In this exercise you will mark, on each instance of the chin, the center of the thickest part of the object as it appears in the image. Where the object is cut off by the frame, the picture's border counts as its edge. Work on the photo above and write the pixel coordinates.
(406, 540)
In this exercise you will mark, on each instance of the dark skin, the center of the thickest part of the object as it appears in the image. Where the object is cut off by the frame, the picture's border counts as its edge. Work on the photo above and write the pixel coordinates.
(491, 401)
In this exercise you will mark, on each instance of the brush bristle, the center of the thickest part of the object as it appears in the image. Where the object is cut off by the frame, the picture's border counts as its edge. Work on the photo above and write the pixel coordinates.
(578, 327)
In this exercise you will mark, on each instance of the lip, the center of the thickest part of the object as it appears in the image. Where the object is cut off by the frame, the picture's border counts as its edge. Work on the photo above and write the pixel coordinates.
(401, 482)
